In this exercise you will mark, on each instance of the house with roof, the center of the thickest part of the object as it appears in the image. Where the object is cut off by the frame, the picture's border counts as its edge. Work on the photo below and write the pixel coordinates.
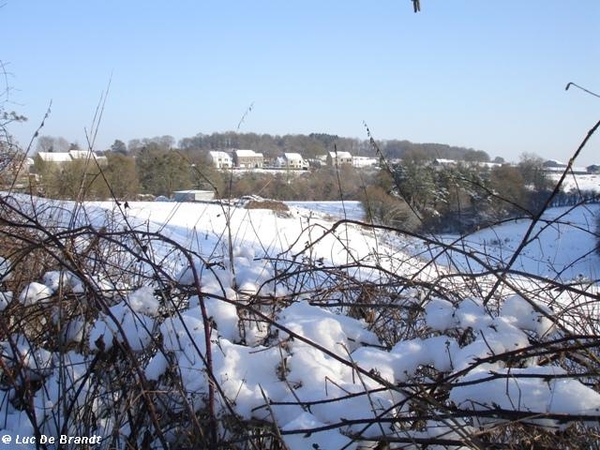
(248, 159)
(221, 160)
(58, 158)
(86, 154)
(364, 161)
(339, 158)
(444, 162)
(292, 161)
(594, 168)
(61, 158)
(555, 166)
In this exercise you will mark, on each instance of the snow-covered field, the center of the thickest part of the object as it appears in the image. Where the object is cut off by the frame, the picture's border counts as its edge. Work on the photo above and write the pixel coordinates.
(272, 308)
(579, 182)
(561, 246)
(335, 210)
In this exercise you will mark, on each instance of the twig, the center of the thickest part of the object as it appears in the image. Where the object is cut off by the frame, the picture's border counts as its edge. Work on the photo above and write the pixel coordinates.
(537, 217)
(582, 88)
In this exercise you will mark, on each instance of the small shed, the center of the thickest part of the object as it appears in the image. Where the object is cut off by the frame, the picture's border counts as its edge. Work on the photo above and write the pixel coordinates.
(193, 195)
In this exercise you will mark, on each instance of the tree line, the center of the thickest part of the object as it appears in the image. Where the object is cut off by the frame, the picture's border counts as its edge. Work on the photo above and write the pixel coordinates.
(417, 192)
(308, 145)
(158, 166)
(154, 171)
(420, 196)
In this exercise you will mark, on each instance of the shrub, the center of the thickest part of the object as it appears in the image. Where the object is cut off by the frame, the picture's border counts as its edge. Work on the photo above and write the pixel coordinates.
(102, 336)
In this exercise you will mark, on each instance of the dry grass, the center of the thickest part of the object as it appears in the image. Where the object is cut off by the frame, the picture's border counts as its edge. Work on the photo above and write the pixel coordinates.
(272, 205)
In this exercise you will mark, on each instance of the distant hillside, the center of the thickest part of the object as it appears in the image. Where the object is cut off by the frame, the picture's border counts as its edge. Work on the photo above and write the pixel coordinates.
(403, 149)
(319, 143)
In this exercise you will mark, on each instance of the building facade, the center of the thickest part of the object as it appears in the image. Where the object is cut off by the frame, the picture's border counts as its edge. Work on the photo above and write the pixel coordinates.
(339, 158)
(292, 161)
(248, 159)
(221, 160)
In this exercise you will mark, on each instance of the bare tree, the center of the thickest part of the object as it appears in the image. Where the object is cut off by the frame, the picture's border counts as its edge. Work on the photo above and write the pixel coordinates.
(9, 149)
(52, 144)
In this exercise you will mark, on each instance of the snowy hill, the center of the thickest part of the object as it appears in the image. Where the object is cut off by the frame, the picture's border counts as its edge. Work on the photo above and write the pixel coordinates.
(236, 323)
(561, 246)
(579, 182)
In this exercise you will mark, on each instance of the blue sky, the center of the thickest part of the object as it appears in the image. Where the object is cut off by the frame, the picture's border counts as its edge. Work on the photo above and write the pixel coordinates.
(485, 74)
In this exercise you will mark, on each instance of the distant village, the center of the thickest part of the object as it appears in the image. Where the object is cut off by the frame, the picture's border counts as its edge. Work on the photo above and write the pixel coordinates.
(250, 159)
(246, 159)
(233, 159)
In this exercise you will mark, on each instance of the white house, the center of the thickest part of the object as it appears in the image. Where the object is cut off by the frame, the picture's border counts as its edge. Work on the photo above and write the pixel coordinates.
(364, 161)
(339, 158)
(85, 154)
(444, 162)
(70, 156)
(292, 161)
(221, 160)
(57, 158)
(248, 159)
(555, 166)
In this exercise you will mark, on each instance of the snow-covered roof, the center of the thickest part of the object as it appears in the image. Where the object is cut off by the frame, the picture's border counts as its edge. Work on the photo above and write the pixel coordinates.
(247, 153)
(81, 154)
(216, 154)
(55, 157)
(445, 161)
(362, 161)
(293, 156)
(561, 169)
(554, 163)
(71, 155)
(340, 155)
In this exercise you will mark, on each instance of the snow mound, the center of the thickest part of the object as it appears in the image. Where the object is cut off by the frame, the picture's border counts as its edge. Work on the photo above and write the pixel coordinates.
(256, 328)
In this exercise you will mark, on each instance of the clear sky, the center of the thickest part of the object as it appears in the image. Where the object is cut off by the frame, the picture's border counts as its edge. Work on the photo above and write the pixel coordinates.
(485, 74)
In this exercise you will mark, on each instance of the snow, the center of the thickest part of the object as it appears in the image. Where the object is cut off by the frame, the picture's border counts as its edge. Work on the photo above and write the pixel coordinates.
(280, 353)
(528, 315)
(338, 334)
(144, 301)
(560, 247)
(35, 292)
(306, 421)
(60, 279)
(121, 324)
(5, 299)
(348, 209)
(534, 390)
(5, 274)
(439, 315)
(581, 182)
